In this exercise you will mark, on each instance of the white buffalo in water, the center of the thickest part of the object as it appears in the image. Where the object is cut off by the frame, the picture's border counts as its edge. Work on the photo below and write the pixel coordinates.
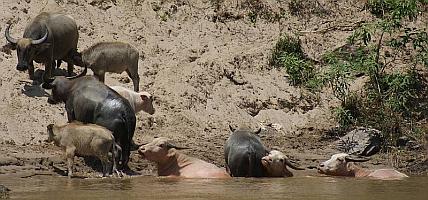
(342, 164)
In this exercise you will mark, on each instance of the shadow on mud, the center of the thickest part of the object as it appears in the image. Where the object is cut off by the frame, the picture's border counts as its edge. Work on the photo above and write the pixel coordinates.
(35, 89)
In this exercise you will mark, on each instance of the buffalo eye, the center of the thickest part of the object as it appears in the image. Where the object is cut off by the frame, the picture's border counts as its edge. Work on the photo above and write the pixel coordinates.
(161, 145)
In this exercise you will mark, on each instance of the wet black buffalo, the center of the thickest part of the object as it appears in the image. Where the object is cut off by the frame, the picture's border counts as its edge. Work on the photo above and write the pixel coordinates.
(90, 101)
(243, 153)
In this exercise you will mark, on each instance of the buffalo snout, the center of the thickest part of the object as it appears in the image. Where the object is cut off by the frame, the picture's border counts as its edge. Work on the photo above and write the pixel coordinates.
(21, 67)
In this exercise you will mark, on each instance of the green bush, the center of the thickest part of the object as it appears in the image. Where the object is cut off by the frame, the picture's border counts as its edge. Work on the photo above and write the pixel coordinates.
(299, 70)
(286, 45)
(288, 54)
(399, 90)
(394, 9)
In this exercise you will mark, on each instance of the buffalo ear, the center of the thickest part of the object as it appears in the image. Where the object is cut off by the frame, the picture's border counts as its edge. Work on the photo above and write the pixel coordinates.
(171, 153)
(9, 46)
(144, 97)
(49, 127)
(231, 128)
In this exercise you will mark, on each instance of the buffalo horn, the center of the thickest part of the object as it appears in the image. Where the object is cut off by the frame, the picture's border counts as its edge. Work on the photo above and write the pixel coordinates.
(231, 128)
(8, 37)
(356, 159)
(41, 40)
(79, 75)
(288, 163)
(175, 147)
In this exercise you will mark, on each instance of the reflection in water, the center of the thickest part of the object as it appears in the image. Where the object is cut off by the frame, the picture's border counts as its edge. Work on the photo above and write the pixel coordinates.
(46, 187)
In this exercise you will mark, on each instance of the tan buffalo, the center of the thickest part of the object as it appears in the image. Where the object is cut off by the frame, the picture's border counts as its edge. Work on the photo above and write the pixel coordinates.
(111, 57)
(342, 164)
(172, 163)
(85, 139)
(48, 37)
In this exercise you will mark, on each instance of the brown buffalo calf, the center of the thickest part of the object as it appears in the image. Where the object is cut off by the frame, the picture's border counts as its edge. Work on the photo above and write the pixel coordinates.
(84, 139)
(111, 57)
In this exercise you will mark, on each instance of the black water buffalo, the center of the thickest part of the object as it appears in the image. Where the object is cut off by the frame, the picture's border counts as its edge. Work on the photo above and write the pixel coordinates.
(246, 156)
(48, 37)
(90, 101)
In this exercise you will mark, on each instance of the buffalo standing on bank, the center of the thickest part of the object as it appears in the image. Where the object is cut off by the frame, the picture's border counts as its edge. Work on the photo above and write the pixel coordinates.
(48, 37)
(111, 57)
(89, 101)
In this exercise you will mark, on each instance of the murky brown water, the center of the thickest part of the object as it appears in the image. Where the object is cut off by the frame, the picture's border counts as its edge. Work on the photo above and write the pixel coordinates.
(47, 187)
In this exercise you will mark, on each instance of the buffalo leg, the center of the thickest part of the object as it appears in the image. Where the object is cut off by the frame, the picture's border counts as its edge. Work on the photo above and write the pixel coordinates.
(133, 74)
(100, 76)
(70, 112)
(70, 67)
(104, 163)
(70, 156)
(48, 72)
(31, 71)
(58, 63)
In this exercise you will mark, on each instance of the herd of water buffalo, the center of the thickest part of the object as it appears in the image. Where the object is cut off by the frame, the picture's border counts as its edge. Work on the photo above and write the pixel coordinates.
(101, 119)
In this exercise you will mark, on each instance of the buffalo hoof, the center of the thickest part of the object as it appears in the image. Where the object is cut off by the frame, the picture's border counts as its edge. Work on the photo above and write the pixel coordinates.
(46, 86)
(51, 101)
(21, 68)
(117, 173)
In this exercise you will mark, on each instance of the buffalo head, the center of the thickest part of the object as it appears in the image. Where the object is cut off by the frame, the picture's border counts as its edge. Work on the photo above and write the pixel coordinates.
(159, 150)
(339, 164)
(27, 48)
(276, 164)
(61, 87)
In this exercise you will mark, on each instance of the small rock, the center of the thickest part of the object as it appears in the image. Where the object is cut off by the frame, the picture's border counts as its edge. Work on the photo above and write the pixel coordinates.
(402, 141)
(4, 192)
(6, 160)
(361, 141)
(277, 127)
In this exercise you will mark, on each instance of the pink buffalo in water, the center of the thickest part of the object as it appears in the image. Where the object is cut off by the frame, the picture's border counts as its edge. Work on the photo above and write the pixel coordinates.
(172, 163)
(342, 164)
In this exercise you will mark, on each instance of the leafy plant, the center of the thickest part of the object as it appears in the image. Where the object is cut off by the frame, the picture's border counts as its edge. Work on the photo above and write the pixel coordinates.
(343, 117)
(390, 100)
(288, 54)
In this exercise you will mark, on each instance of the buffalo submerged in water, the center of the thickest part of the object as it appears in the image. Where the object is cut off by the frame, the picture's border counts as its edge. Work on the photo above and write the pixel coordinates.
(246, 156)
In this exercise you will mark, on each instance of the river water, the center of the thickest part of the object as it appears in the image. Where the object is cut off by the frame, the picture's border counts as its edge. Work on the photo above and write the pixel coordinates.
(146, 187)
